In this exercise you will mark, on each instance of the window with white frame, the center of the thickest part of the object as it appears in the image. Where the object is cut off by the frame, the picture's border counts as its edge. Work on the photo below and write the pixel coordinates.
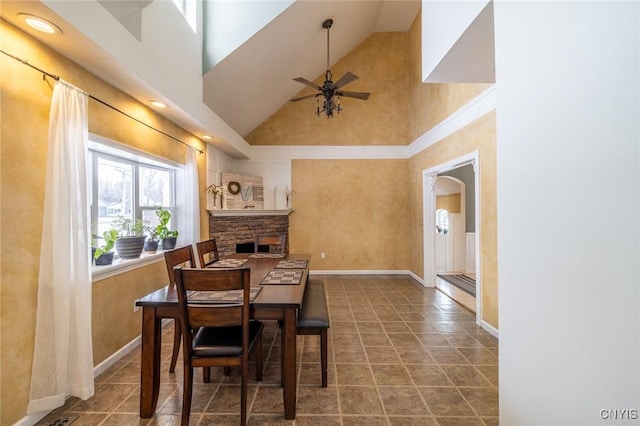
(129, 184)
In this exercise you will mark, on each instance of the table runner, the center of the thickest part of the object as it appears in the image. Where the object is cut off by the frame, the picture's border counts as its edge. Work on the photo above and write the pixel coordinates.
(222, 296)
(267, 255)
(282, 277)
(292, 264)
(227, 263)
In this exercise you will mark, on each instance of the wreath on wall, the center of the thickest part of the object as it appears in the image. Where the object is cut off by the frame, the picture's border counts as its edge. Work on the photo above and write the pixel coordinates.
(233, 187)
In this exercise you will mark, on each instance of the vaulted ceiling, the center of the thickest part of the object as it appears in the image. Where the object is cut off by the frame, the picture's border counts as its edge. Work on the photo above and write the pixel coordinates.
(255, 79)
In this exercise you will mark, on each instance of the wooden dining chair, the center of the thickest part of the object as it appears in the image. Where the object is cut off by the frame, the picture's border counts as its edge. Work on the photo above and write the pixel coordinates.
(214, 333)
(207, 252)
(265, 243)
(173, 258)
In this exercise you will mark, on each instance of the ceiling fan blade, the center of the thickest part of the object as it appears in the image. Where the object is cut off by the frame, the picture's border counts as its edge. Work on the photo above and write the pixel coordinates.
(307, 82)
(304, 97)
(358, 95)
(347, 78)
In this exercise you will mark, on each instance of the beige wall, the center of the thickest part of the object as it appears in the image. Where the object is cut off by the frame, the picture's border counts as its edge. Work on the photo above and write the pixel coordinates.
(25, 101)
(331, 216)
(380, 62)
(449, 202)
(353, 210)
(478, 136)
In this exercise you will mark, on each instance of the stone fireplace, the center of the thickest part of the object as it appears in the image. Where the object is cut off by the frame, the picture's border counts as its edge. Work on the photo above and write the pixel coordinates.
(231, 228)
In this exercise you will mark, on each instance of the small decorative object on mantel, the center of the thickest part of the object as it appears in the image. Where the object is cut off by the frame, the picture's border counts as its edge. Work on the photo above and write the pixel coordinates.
(287, 195)
(242, 192)
(216, 191)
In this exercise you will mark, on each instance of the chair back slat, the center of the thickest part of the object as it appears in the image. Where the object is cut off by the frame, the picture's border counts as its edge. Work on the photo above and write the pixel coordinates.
(207, 252)
(272, 240)
(177, 257)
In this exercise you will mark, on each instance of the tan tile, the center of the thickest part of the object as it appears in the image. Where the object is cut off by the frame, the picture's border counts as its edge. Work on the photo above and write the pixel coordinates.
(107, 397)
(404, 339)
(443, 355)
(382, 355)
(388, 316)
(166, 420)
(462, 340)
(220, 419)
(343, 326)
(317, 400)
(354, 374)
(369, 326)
(317, 420)
(480, 356)
(310, 374)
(364, 421)
(343, 339)
(226, 399)
(414, 355)
(428, 375)
(391, 374)
(421, 327)
(490, 372)
(375, 339)
(89, 419)
(399, 400)
(465, 375)
(268, 420)
(119, 419)
(359, 400)
(433, 339)
(349, 354)
(459, 421)
(483, 400)
(268, 400)
(445, 401)
(491, 421)
(412, 421)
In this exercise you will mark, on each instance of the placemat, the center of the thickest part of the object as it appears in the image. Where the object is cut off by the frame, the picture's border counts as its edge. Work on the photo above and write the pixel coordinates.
(292, 264)
(222, 296)
(267, 255)
(227, 263)
(282, 277)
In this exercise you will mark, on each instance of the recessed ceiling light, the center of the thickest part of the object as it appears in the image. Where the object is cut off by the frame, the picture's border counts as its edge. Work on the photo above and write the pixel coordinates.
(207, 137)
(158, 104)
(40, 24)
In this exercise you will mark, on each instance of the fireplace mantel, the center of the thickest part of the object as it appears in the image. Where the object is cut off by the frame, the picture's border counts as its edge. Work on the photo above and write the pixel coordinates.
(249, 212)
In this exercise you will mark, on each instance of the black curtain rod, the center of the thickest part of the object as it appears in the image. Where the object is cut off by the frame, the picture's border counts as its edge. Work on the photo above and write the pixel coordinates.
(55, 77)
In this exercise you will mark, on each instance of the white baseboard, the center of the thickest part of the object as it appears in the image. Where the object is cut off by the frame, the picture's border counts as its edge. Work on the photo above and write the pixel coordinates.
(489, 328)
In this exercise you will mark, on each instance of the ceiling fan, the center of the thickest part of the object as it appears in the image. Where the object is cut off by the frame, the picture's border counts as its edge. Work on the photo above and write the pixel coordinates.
(330, 90)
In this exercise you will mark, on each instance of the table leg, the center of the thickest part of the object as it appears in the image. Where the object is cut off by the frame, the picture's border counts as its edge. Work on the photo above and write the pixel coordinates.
(289, 363)
(150, 361)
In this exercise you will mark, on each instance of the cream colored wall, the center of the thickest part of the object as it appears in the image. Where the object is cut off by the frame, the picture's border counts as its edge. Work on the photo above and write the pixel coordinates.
(25, 100)
(478, 136)
(325, 217)
(449, 202)
(353, 210)
(380, 62)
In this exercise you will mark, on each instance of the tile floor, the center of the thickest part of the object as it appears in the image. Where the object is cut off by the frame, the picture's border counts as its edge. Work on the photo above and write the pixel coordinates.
(399, 354)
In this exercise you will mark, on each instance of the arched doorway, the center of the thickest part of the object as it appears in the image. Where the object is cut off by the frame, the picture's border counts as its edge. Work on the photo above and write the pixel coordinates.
(468, 263)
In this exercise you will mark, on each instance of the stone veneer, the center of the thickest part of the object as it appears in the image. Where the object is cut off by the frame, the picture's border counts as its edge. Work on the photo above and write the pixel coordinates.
(231, 230)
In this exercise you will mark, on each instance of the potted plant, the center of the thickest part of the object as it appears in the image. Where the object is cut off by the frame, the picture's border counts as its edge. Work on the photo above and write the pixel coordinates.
(168, 238)
(104, 254)
(151, 243)
(131, 237)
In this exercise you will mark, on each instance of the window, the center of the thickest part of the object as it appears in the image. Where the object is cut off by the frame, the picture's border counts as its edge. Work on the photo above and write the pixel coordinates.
(129, 184)
(442, 221)
(188, 10)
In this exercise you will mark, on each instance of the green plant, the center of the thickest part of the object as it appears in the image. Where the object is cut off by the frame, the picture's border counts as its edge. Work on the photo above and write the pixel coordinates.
(162, 230)
(128, 227)
(109, 238)
(152, 233)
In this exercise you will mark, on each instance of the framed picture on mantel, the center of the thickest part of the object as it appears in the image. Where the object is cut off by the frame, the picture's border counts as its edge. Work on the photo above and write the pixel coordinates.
(242, 192)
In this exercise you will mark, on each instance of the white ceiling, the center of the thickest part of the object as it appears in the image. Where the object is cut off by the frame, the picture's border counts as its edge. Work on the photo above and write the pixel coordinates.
(255, 80)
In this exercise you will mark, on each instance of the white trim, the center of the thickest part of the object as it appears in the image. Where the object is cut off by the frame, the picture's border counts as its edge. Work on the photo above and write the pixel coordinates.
(428, 200)
(320, 152)
(31, 419)
(361, 272)
(489, 328)
(116, 356)
(120, 266)
(249, 212)
(471, 111)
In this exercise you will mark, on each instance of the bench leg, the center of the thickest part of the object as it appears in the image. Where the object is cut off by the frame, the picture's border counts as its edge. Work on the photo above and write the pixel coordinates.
(323, 356)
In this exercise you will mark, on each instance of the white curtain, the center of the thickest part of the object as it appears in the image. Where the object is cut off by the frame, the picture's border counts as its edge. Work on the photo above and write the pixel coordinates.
(191, 226)
(63, 354)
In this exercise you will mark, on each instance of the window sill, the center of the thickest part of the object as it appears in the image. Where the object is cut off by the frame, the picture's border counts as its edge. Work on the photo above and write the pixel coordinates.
(120, 266)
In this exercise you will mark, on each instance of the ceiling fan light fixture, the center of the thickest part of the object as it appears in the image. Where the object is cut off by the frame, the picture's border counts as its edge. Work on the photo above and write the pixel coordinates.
(330, 89)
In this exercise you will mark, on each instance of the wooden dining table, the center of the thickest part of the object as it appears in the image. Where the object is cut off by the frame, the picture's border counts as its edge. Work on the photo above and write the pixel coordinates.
(274, 302)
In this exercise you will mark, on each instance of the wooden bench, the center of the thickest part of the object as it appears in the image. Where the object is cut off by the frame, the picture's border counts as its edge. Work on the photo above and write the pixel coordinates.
(313, 319)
